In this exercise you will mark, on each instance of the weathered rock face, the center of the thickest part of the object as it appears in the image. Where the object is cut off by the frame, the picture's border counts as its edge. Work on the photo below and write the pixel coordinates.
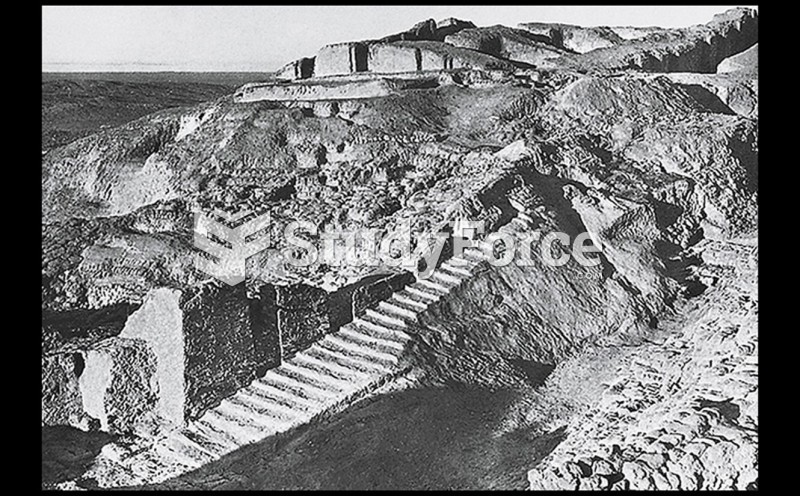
(724, 188)
(159, 323)
(112, 386)
(117, 190)
(628, 234)
(694, 49)
(451, 25)
(61, 393)
(576, 38)
(603, 103)
(680, 411)
(746, 62)
(429, 30)
(507, 43)
(727, 181)
(507, 320)
(725, 93)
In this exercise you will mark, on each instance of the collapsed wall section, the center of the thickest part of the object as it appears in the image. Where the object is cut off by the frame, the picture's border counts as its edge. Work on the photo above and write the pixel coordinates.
(297, 69)
(112, 385)
(159, 322)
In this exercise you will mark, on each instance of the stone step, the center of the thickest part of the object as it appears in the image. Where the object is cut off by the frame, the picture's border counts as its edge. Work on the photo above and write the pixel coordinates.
(371, 341)
(326, 374)
(266, 406)
(373, 351)
(335, 342)
(360, 363)
(422, 293)
(390, 314)
(279, 393)
(431, 286)
(307, 380)
(317, 377)
(237, 425)
(446, 278)
(259, 415)
(382, 323)
(404, 299)
(188, 451)
(369, 325)
(328, 366)
(214, 434)
(455, 268)
(298, 387)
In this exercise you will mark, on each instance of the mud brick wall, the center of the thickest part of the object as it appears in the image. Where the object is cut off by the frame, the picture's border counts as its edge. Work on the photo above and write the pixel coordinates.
(432, 61)
(369, 295)
(339, 59)
(297, 69)
(264, 324)
(110, 385)
(388, 58)
(61, 394)
(340, 302)
(220, 349)
(302, 316)
(119, 383)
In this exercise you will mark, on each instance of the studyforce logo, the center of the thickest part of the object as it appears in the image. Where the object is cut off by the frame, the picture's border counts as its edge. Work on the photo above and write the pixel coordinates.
(229, 247)
(227, 241)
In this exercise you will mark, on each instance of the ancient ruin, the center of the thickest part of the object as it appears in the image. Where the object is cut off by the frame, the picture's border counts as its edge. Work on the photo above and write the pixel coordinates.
(639, 372)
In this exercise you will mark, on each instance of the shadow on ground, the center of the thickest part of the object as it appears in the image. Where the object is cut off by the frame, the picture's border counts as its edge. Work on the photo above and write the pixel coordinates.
(430, 438)
(68, 452)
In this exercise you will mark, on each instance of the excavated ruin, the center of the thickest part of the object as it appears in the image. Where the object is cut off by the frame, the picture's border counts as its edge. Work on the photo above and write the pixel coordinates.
(642, 367)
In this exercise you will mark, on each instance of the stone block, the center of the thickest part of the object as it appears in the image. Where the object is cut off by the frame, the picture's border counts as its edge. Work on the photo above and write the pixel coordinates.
(300, 328)
(220, 351)
(119, 384)
(61, 395)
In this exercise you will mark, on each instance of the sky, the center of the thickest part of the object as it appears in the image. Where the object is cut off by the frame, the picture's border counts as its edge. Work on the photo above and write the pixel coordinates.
(262, 38)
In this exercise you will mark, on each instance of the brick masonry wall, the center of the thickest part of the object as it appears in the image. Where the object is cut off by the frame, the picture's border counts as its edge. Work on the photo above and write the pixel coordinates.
(302, 316)
(264, 325)
(370, 294)
(220, 348)
(344, 58)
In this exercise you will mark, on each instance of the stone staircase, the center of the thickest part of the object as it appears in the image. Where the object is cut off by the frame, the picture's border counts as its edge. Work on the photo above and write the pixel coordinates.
(331, 374)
